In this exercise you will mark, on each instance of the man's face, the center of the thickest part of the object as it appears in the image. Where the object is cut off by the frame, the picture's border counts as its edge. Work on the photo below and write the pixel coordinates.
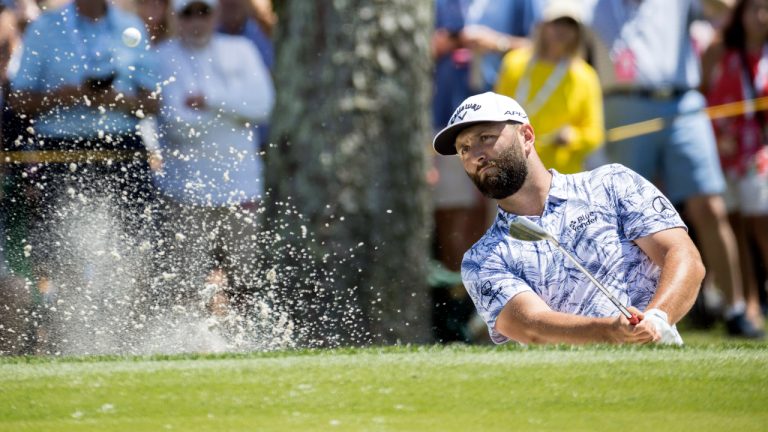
(152, 12)
(234, 7)
(197, 23)
(493, 157)
(561, 36)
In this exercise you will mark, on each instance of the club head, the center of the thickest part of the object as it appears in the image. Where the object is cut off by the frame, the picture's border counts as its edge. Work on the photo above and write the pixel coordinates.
(525, 230)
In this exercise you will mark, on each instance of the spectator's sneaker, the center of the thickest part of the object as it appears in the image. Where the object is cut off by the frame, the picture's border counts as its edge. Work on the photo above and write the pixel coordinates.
(740, 326)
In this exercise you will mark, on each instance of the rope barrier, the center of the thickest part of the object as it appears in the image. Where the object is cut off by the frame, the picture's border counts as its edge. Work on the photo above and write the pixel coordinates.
(731, 109)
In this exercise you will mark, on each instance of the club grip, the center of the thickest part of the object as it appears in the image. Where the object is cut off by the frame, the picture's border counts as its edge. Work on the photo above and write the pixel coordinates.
(634, 319)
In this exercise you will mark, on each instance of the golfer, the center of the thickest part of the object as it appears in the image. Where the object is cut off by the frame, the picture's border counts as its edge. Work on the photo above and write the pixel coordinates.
(618, 225)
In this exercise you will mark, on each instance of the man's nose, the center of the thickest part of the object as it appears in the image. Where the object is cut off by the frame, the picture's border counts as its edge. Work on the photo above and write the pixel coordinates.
(478, 155)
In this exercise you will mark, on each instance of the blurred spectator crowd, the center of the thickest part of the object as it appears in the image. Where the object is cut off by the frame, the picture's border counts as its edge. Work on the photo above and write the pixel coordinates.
(169, 134)
(158, 139)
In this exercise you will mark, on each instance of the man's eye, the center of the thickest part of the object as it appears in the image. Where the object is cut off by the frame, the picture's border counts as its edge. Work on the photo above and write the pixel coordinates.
(486, 138)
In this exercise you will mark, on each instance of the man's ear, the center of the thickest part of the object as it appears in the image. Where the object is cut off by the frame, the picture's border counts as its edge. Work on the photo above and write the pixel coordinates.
(529, 137)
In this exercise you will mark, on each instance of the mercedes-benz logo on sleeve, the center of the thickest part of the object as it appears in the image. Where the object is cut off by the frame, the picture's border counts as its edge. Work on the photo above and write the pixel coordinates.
(662, 206)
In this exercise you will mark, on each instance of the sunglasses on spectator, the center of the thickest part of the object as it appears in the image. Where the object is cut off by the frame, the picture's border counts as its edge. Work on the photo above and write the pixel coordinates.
(196, 11)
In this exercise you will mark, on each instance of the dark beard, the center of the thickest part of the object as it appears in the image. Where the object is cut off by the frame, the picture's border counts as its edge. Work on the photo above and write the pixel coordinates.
(508, 177)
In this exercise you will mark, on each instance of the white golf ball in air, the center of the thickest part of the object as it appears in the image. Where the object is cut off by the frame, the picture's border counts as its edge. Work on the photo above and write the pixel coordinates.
(131, 36)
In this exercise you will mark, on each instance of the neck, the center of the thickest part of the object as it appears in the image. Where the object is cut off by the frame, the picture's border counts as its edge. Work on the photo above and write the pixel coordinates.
(551, 57)
(194, 44)
(531, 198)
(234, 24)
(157, 33)
(93, 9)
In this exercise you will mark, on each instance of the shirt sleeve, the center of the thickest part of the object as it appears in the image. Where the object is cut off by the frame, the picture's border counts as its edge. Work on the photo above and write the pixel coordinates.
(532, 17)
(491, 283)
(642, 209)
(33, 59)
(147, 75)
(249, 93)
(449, 15)
(175, 115)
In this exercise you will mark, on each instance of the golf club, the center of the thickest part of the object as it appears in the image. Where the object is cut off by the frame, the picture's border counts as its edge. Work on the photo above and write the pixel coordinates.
(525, 230)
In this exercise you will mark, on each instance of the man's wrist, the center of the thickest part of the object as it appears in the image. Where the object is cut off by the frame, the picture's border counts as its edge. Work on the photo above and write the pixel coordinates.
(669, 336)
(605, 329)
(654, 312)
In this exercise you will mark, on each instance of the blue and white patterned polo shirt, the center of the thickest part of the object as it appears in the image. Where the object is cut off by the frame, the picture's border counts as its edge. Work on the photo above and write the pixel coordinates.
(596, 216)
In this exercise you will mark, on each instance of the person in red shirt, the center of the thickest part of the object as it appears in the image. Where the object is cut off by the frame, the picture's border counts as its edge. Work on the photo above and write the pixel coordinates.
(735, 68)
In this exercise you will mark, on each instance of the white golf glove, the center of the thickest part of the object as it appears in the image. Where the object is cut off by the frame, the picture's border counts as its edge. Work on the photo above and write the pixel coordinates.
(669, 335)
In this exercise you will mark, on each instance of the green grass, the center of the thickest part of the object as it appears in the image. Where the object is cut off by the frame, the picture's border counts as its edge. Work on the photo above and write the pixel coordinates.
(704, 386)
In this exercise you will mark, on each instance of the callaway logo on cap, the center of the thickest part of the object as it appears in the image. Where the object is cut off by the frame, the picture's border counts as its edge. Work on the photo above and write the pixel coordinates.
(486, 107)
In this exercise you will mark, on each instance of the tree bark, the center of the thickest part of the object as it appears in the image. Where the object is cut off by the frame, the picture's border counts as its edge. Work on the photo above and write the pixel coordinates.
(348, 140)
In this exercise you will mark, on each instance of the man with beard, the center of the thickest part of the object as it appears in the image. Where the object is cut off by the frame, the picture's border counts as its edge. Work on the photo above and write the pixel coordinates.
(617, 224)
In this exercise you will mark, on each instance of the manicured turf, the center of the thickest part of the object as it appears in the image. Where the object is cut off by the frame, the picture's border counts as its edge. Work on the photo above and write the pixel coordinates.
(702, 387)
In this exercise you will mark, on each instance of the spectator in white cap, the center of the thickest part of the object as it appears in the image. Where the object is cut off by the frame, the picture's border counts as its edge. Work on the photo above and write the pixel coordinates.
(218, 88)
(621, 228)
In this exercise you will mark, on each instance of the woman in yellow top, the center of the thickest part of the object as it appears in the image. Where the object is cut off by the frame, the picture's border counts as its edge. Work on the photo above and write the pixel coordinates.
(559, 91)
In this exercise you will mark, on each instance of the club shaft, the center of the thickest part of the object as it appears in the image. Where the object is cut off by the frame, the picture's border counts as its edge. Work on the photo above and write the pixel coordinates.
(624, 311)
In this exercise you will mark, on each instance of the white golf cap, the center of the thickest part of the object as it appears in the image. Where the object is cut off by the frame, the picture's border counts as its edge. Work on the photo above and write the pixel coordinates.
(563, 9)
(486, 107)
(180, 5)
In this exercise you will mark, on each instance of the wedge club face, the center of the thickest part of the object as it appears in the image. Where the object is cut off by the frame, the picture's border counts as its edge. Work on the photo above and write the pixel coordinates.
(525, 230)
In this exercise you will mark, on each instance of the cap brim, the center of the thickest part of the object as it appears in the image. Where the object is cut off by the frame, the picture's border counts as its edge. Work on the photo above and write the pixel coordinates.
(445, 140)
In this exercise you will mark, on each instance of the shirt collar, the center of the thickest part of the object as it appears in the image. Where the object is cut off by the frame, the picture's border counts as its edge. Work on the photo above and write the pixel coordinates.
(558, 193)
(558, 190)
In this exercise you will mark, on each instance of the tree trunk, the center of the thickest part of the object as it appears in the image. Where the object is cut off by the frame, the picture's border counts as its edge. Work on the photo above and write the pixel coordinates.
(349, 134)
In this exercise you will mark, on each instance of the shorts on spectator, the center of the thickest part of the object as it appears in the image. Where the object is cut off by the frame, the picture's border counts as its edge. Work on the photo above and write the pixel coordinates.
(747, 194)
(682, 157)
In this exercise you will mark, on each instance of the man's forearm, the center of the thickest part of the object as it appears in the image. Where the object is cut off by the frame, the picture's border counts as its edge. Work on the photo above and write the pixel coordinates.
(557, 327)
(143, 101)
(35, 103)
(681, 274)
(527, 319)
